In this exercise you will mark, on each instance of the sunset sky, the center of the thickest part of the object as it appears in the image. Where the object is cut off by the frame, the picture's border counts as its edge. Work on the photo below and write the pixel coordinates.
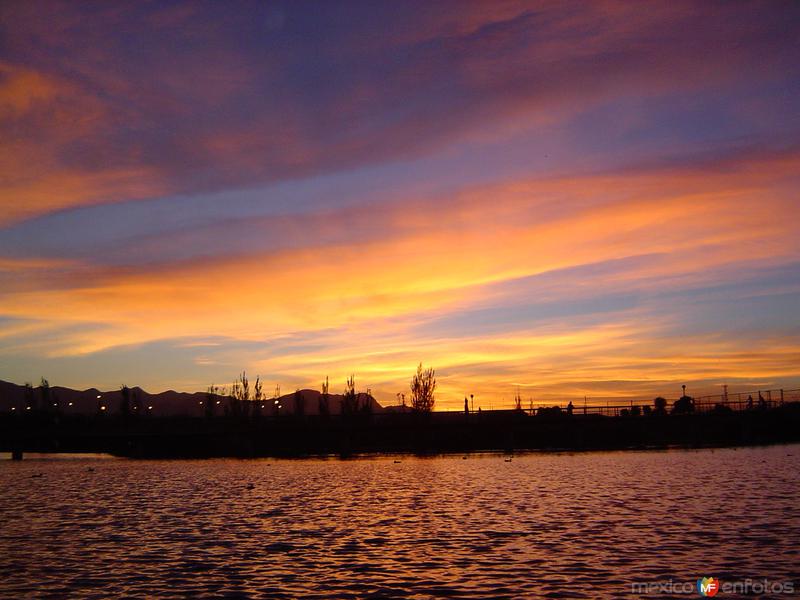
(577, 199)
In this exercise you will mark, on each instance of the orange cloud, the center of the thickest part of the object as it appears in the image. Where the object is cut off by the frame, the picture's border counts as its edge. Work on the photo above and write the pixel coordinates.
(449, 258)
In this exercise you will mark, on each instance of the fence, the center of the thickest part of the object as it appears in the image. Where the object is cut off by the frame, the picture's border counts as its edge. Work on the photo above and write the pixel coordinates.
(758, 399)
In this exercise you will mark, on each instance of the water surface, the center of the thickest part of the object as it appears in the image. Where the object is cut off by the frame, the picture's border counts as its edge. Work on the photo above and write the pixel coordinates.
(584, 525)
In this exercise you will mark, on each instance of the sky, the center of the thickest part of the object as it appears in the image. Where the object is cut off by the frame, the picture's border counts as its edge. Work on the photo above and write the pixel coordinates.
(559, 199)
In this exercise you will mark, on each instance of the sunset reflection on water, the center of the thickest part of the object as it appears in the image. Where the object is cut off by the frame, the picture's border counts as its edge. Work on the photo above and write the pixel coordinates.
(573, 525)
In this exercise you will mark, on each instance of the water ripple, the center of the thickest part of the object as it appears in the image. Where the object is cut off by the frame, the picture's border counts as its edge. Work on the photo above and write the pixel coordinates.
(556, 526)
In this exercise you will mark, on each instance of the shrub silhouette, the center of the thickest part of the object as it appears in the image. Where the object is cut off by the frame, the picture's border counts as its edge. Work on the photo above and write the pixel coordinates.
(549, 411)
(722, 409)
(683, 405)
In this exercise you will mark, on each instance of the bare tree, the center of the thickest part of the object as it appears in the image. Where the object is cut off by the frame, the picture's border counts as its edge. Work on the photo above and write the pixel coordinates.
(367, 408)
(276, 399)
(240, 396)
(258, 397)
(234, 399)
(349, 398)
(423, 386)
(245, 390)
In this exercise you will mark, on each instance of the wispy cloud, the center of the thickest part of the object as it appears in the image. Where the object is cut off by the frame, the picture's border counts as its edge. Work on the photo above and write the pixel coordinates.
(573, 199)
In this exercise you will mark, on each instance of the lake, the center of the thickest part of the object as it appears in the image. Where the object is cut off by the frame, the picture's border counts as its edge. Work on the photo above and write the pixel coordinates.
(583, 525)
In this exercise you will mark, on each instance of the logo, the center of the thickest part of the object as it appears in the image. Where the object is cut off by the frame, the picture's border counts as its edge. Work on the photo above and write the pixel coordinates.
(708, 586)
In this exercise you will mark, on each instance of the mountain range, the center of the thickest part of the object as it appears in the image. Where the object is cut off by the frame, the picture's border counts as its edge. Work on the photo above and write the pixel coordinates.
(90, 401)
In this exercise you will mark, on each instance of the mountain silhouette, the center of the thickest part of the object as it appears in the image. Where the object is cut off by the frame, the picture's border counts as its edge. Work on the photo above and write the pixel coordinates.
(169, 402)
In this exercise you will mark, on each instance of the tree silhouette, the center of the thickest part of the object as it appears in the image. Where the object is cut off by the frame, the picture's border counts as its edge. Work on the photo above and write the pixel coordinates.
(324, 399)
(245, 393)
(258, 397)
(349, 398)
(240, 396)
(234, 402)
(276, 398)
(660, 406)
(367, 407)
(423, 386)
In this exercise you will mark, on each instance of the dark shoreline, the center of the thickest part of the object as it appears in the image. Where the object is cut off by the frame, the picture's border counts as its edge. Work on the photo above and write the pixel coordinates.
(418, 434)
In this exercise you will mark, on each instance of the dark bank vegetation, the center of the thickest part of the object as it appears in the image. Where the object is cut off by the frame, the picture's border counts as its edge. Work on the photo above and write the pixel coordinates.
(243, 421)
